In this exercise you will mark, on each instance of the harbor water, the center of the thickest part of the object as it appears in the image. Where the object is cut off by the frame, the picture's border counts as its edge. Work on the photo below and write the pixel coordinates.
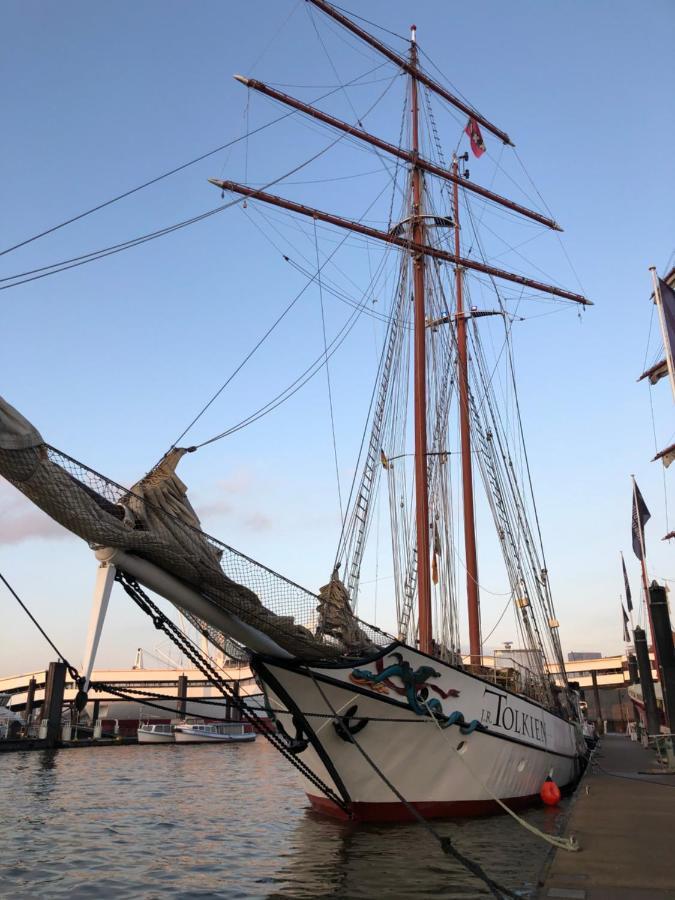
(225, 821)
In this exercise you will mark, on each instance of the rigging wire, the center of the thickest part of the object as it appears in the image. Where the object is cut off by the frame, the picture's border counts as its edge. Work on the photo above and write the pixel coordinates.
(35, 622)
(380, 156)
(302, 379)
(353, 15)
(178, 168)
(327, 367)
(220, 390)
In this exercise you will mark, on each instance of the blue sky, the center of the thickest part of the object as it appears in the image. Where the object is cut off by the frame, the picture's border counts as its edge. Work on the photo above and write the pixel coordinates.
(112, 359)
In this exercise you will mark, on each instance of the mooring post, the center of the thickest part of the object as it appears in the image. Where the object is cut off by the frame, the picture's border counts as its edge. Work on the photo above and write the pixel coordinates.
(181, 693)
(633, 676)
(646, 680)
(663, 640)
(236, 714)
(596, 695)
(30, 700)
(95, 712)
(53, 703)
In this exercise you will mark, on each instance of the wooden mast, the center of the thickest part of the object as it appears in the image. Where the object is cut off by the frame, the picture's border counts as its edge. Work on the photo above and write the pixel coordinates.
(420, 378)
(470, 556)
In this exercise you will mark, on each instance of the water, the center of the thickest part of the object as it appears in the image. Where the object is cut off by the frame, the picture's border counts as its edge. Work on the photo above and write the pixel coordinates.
(231, 822)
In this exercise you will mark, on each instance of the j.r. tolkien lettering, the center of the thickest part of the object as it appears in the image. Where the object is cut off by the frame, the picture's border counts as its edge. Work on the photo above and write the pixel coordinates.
(512, 719)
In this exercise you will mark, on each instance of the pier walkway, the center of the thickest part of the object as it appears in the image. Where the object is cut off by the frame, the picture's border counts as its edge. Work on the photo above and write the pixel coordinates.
(624, 821)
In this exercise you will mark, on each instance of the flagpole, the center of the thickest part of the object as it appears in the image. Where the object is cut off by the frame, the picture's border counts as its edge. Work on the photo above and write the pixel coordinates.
(664, 334)
(645, 580)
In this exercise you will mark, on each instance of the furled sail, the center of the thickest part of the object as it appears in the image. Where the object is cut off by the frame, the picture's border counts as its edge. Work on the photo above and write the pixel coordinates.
(155, 522)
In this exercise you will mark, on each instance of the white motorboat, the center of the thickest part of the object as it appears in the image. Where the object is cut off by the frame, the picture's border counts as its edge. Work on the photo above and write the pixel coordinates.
(155, 733)
(212, 732)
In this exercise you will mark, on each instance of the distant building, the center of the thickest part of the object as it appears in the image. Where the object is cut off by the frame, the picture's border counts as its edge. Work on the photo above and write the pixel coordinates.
(590, 654)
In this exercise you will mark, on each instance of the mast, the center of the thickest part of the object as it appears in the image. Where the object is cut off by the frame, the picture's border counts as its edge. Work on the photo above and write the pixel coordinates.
(471, 561)
(420, 378)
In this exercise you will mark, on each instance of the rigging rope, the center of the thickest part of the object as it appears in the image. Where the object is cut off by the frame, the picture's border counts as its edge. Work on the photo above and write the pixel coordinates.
(164, 175)
(71, 669)
(496, 889)
(258, 414)
(327, 367)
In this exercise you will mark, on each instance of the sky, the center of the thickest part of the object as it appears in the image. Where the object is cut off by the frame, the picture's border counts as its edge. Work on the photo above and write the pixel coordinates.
(113, 359)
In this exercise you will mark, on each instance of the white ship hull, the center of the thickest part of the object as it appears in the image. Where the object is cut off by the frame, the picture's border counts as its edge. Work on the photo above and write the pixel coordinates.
(449, 771)
(189, 736)
(153, 737)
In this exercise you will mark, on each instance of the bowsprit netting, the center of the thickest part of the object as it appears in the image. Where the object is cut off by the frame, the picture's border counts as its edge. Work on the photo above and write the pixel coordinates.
(155, 522)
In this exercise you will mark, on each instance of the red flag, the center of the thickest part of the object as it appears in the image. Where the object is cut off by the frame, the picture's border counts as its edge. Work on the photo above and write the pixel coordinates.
(476, 138)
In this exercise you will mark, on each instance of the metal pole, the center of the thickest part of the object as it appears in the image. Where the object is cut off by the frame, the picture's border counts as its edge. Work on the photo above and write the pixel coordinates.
(105, 578)
(598, 705)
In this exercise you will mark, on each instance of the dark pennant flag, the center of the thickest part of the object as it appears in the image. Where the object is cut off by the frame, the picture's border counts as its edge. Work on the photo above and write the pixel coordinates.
(629, 601)
(667, 309)
(626, 636)
(641, 516)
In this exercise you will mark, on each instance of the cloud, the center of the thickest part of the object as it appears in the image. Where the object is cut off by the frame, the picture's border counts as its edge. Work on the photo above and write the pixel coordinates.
(257, 521)
(232, 500)
(218, 507)
(20, 520)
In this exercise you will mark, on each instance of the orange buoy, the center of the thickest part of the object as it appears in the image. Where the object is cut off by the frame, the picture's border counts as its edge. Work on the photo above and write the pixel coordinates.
(550, 792)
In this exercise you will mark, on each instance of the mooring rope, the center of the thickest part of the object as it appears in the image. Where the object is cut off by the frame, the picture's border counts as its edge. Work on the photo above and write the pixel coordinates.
(571, 844)
(496, 889)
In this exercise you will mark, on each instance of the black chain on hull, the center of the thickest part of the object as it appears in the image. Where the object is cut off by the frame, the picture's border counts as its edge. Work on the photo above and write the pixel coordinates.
(201, 662)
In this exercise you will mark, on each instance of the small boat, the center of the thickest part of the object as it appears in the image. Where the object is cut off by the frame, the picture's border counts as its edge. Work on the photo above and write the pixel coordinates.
(212, 732)
(155, 733)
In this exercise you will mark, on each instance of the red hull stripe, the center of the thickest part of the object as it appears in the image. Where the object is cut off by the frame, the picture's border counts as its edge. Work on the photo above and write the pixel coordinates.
(398, 812)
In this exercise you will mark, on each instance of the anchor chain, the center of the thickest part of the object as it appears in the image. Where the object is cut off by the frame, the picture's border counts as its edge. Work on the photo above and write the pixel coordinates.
(163, 623)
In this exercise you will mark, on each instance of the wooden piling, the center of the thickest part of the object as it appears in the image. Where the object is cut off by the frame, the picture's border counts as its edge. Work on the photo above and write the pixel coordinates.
(646, 680)
(182, 695)
(53, 703)
(600, 725)
(30, 700)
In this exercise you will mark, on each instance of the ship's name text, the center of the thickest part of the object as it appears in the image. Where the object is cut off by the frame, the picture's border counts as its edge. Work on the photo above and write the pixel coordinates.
(510, 718)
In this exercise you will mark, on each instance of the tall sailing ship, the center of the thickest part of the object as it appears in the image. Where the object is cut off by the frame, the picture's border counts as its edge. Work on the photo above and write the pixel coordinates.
(379, 722)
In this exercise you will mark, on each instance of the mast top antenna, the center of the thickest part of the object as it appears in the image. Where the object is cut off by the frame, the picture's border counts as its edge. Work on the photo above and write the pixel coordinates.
(413, 33)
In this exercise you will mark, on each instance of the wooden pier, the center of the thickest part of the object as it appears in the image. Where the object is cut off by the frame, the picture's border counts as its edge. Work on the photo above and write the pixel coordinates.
(624, 821)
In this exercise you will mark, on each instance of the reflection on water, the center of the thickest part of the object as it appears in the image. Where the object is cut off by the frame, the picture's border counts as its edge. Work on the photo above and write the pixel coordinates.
(230, 821)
